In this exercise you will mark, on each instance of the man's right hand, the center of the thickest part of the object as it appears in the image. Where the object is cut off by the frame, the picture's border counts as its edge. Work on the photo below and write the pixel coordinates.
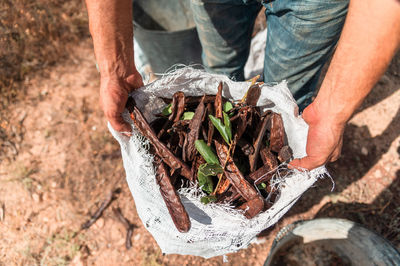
(114, 92)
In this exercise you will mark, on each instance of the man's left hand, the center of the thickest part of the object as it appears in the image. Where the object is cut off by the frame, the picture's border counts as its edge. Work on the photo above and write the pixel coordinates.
(324, 140)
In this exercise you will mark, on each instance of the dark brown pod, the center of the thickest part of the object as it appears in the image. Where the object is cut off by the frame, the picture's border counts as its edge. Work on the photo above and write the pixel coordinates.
(171, 198)
(277, 137)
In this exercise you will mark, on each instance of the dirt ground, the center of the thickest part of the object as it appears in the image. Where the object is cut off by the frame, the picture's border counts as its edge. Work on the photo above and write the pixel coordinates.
(62, 162)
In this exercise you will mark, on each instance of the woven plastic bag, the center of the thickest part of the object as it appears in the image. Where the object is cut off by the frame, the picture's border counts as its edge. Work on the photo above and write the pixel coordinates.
(215, 229)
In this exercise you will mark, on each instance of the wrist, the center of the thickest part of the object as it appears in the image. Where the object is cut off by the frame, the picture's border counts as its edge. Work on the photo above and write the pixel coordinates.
(113, 69)
(324, 111)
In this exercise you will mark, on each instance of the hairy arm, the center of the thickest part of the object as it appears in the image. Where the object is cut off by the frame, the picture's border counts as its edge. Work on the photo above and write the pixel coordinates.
(110, 23)
(370, 38)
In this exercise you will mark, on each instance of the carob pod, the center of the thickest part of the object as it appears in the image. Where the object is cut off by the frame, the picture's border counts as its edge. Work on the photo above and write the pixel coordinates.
(229, 196)
(277, 136)
(210, 131)
(171, 198)
(255, 203)
(268, 158)
(198, 160)
(223, 184)
(162, 151)
(189, 149)
(191, 101)
(242, 121)
(177, 108)
(253, 158)
(261, 175)
(218, 102)
(179, 125)
(253, 94)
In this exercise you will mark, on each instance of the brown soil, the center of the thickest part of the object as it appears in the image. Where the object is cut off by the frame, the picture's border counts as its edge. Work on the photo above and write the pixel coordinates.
(62, 161)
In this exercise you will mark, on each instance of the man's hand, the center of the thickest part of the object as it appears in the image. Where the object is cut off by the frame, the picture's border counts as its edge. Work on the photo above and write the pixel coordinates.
(110, 24)
(370, 38)
(114, 93)
(324, 140)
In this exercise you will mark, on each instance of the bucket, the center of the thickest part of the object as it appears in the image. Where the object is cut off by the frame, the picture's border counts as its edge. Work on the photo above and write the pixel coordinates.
(166, 33)
(330, 241)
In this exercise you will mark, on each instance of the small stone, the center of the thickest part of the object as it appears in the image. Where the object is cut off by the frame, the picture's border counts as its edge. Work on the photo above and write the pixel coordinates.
(77, 261)
(94, 128)
(45, 196)
(136, 237)
(364, 151)
(36, 197)
(54, 184)
(378, 174)
(99, 224)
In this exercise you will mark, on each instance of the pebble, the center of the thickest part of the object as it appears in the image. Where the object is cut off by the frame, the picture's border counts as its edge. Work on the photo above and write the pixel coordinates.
(99, 224)
(378, 174)
(36, 197)
(364, 151)
(136, 237)
(46, 196)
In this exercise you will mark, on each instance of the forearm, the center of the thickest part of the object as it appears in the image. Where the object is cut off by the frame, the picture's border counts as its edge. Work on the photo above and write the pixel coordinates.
(110, 24)
(370, 38)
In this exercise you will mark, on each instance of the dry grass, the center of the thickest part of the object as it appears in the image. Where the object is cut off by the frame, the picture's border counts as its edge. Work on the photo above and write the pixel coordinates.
(35, 34)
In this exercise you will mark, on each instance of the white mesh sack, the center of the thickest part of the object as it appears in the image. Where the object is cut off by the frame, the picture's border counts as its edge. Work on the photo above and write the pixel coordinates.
(215, 229)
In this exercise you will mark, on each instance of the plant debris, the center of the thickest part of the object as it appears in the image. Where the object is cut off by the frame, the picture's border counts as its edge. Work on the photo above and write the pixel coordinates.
(232, 149)
(128, 226)
(104, 205)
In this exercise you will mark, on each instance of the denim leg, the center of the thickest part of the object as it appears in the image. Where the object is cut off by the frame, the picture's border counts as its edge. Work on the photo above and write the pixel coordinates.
(224, 28)
(302, 35)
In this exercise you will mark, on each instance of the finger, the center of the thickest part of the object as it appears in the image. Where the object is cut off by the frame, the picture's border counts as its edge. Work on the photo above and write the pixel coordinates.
(135, 81)
(337, 152)
(119, 124)
(335, 155)
(306, 163)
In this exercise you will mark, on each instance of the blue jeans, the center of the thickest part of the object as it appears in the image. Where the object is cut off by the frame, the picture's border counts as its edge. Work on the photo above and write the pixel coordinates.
(302, 35)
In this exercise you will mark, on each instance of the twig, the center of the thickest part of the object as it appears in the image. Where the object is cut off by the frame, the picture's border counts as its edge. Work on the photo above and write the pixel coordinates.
(100, 210)
(128, 226)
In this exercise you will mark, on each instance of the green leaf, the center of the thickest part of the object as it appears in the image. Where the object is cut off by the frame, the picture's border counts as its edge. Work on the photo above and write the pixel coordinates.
(220, 127)
(187, 116)
(206, 152)
(167, 110)
(205, 182)
(262, 186)
(210, 169)
(204, 174)
(228, 125)
(208, 199)
(227, 106)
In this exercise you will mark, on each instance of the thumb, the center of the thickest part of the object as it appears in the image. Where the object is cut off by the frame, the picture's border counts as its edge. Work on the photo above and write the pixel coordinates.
(302, 164)
(118, 124)
(135, 81)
